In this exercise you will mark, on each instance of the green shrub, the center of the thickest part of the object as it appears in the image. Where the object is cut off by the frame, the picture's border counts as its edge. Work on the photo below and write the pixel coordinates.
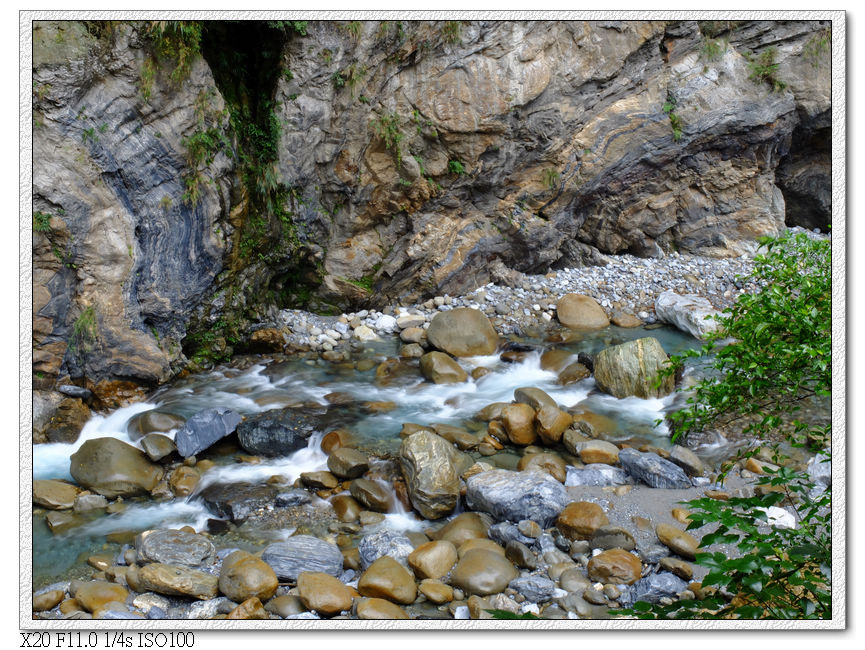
(712, 49)
(41, 222)
(179, 41)
(452, 31)
(675, 121)
(550, 177)
(388, 127)
(764, 69)
(777, 355)
(84, 330)
(456, 167)
(353, 29)
(817, 47)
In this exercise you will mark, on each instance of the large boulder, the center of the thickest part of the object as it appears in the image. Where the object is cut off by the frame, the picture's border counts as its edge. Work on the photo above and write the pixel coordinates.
(462, 332)
(279, 432)
(54, 495)
(152, 421)
(302, 553)
(169, 546)
(689, 313)
(237, 501)
(514, 496)
(205, 428)
(632, 369)
(427, 462)
(580, 312)
(113, 468)
(244, 575)
(483, 572)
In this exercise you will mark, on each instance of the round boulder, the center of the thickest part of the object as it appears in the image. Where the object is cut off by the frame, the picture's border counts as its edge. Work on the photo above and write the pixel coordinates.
(483, 572)
(386, 578)
(615, 566)
(462, 332)
(580, 520)
(113, 468)
(581, 312)
(244, 575)
(439, 368)
(322, 593)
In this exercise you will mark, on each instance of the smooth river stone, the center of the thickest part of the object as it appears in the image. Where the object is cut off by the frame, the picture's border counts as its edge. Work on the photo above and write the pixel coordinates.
(580, 519)
(514, 496)
(376, 609)
(157, 446)
(142, 424)
(174, 580)
(113, 468)
(97, 594)
(653, 470)
(433, 559)
(462, 332)
(519, 422)
(348, 463)
(386, 578)
(615, 566)
(54, 495)
(632, 368)
(677, 541)
(439, 368)
(463, 527)
(323, 594)
(249, 610)
(371, 495)
(598, 451)
(302, 553)
(168, 546)
(534, 397)
(483, 572)
(580, 312)
(244, 575)
(428, 466)
(551, 424)
(436, 591)
(549, 463)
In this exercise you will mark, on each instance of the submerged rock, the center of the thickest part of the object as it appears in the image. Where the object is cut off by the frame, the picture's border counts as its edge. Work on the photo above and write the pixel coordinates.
(632, 369)
(205, 428)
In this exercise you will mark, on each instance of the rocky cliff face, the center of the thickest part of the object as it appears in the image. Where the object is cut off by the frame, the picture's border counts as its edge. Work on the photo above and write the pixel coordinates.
(372, 161)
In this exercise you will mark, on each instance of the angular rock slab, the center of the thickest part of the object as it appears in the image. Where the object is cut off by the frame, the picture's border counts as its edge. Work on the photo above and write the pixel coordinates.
(631, 369)
(462, 332)
(652, 588)
(687, 313)
(427, 463)
(237, 501)
(303, 553)
(384, 543)
(279, 432)
(205, 428)
(514, 496)
(653, 470)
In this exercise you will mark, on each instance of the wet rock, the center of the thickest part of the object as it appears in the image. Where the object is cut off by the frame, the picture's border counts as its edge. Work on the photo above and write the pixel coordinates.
(319, 480)
(183, 480)
(688, 313)
(302, 553)
(386, 578)
(141, 424)
(551, 423)
(377, 609)
(347, 509)
(433, 559)
(514, 496)
(169, 546)
(95, 595)
(285, 606)
(653, 470)
(687, 460)
(157, 446)
(652, 588)
(572, 373)
(47, 600)
(616, 566)
(483, 572)
(436, 591)
(609, 536)
(384, 543)
(463, 527)
(597, 474)
(427, 463)
(625, 319)
(534, 397)
(549, 463)
(678, 568)
(237, 501)
(677, 541)
(592, 425)
(249, 610)
(67, 421)
(573, 579)
(520, 555)
(439, 368)
(519, 423)
(462, 332)
(205, 428)
(371, 495)
(581, 312)
(60, 522)
(279, 432)
(54, 495)
(244, 575)
(173, 580)
(580, 520)
(632, 369)
(323, 594)
(113, 468)
(535, 589)
(348, 463)
(476, 543)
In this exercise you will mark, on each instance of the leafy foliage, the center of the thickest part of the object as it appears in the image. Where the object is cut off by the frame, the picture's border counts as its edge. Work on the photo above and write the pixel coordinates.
(780, 354)
(712, 49)
(388, 127)
(669, 108)
(781, 351)
(84, 330)
(817, 47)
(41, 222)
(503, 614)
(452, 31)
(179, 41)
(456, 167)
(764, 69)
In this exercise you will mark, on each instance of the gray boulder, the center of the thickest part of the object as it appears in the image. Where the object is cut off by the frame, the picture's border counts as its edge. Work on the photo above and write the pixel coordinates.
(279, 432)
(384, 542)
(535, 589)
(237, 501)
(632, 369)
(688, 313)
(303, 553)
(174, 547)
(205, 428)
(652, 588)
(513, 496)
(653, 470)
(427, 462)
(597, 474)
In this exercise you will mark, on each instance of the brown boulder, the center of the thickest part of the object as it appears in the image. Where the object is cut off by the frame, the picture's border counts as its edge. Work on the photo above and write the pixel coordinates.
(580, 519)
(386, 578)
(581, 312)
(519, 422)
(615, 566)
(378, 609)
(433, 559)
(462, 332)
(483, 572)
(322, 593)
(244, 575)
(439, 368)
(551, 424)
